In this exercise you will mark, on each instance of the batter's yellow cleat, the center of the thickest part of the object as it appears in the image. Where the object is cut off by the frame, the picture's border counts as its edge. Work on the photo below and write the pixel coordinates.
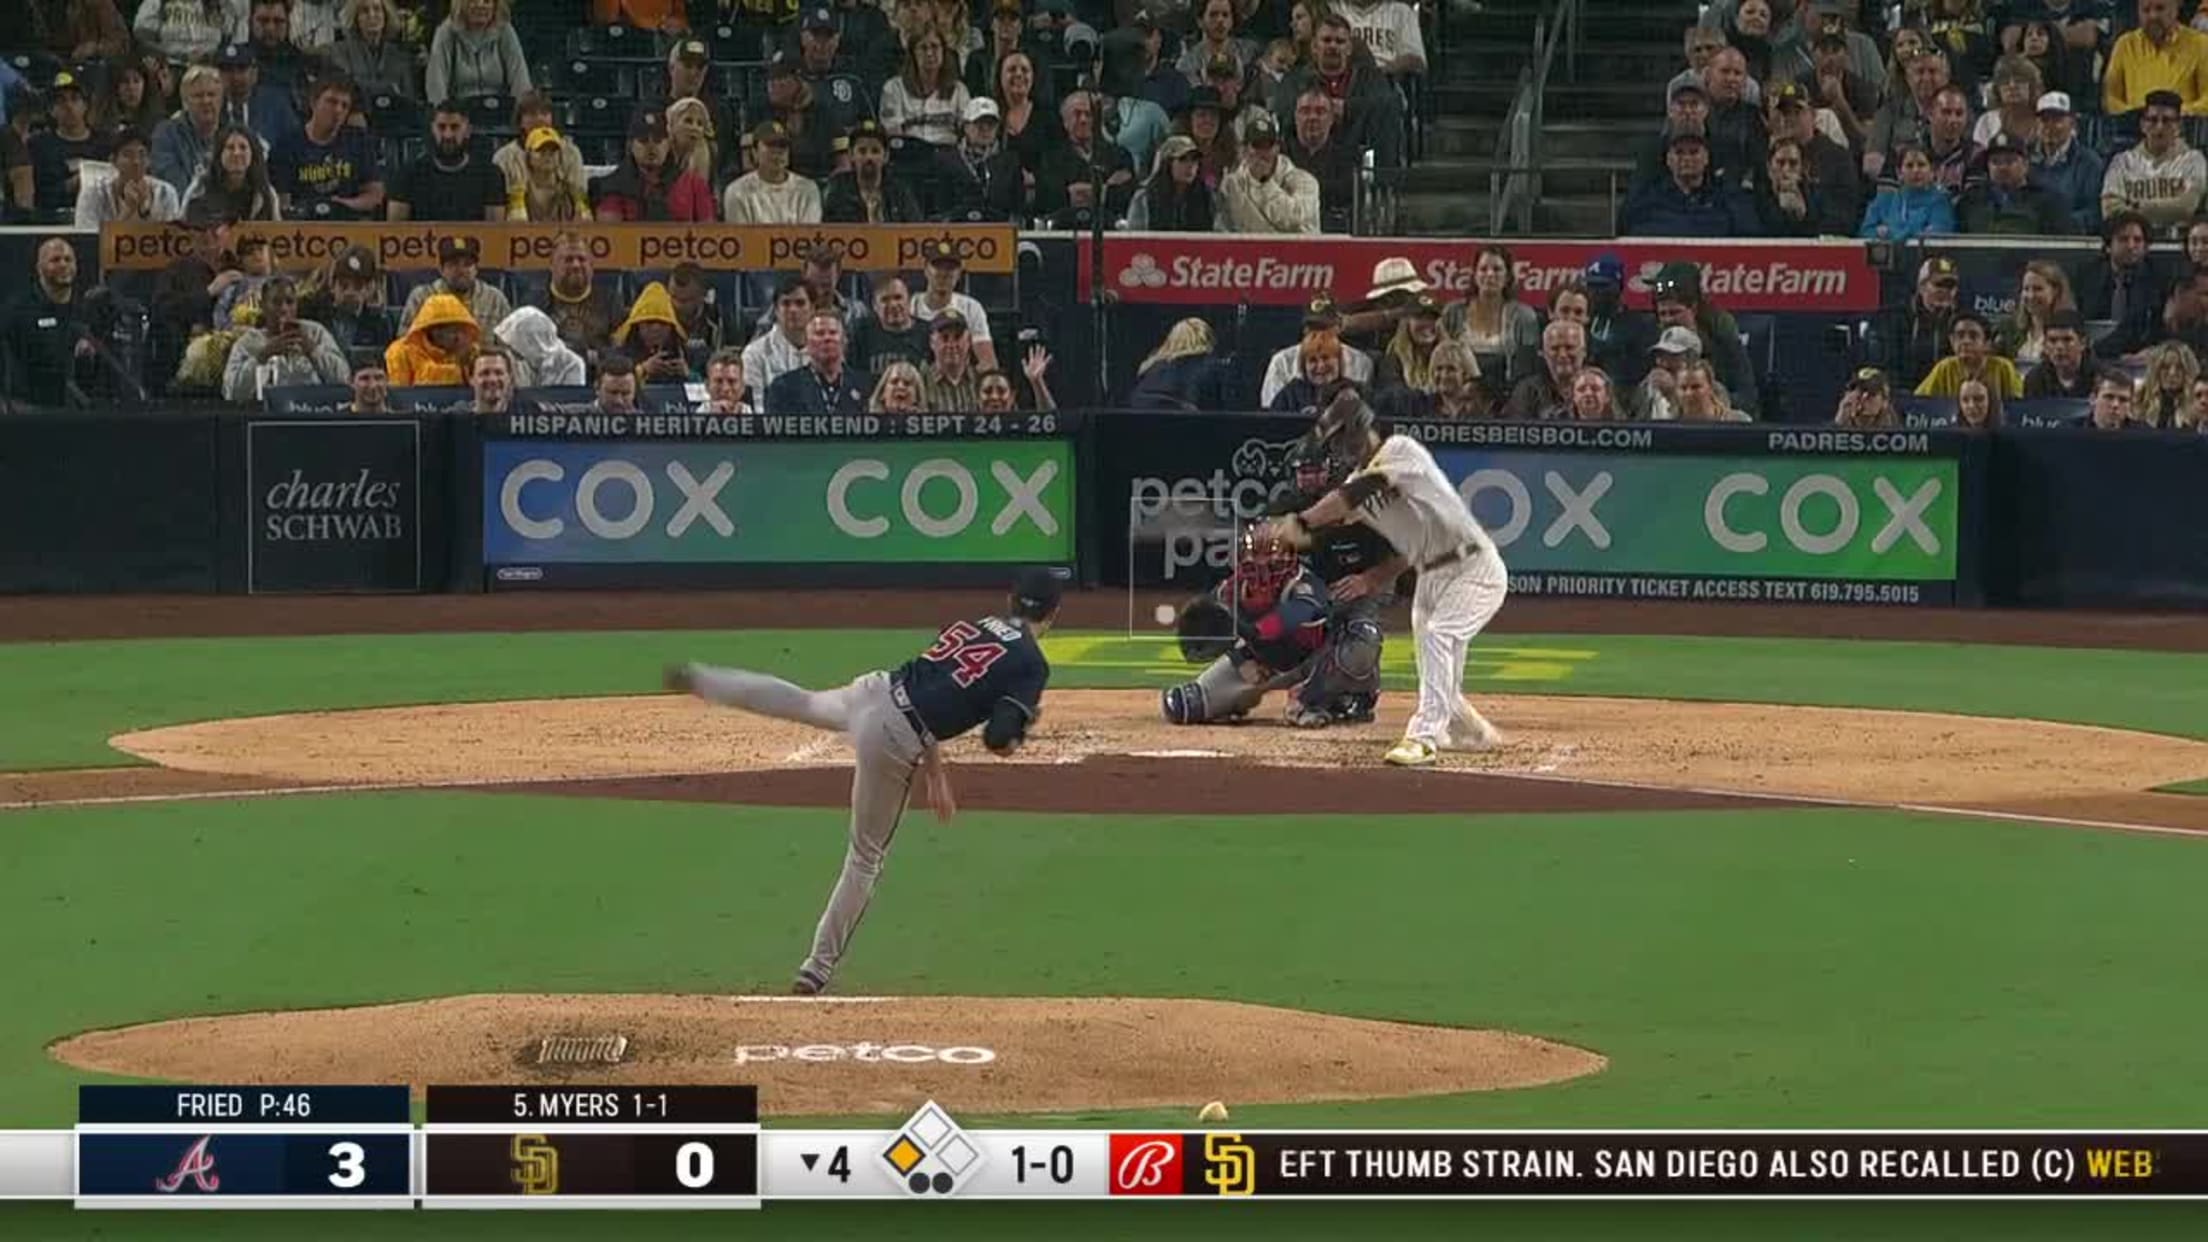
(1411, 752)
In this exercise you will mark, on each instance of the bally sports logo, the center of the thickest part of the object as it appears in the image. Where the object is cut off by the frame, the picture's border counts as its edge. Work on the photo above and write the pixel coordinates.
(1146, 1164)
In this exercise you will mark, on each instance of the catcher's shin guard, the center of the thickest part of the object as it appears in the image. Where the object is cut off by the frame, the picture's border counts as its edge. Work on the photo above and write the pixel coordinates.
(1348, 670)
(1218, 693)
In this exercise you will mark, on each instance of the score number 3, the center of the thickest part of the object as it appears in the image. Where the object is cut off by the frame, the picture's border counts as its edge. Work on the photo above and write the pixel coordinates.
(963, 646)
(352, 1165)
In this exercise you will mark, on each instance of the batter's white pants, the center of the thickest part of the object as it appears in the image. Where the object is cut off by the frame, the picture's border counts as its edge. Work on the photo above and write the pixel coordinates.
(1453, 604)
(888, 751)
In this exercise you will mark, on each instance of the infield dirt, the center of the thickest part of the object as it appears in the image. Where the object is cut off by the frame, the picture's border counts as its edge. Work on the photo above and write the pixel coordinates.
(855, 1055)
(1093, 748)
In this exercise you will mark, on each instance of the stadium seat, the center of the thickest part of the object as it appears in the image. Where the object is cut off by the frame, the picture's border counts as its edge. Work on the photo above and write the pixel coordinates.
(491, 114)
(581, 76)
(37, 68)
(400, 284)
(387, 114)
(615, 42)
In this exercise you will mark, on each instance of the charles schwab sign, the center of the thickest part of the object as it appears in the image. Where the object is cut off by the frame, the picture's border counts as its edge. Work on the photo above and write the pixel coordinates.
(334, 505)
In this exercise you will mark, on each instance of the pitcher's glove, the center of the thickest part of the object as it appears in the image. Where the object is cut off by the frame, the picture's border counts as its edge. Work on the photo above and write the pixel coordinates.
(1206, 630)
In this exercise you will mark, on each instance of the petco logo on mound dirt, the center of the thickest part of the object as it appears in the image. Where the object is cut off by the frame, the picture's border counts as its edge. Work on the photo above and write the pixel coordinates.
(1279, 271)
(864, 1054)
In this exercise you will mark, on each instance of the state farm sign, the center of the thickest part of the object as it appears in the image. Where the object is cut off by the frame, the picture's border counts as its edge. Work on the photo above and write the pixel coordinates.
(1195, 270)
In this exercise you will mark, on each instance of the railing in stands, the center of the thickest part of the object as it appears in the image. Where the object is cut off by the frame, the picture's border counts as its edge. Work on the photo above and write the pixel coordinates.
(1515, 185)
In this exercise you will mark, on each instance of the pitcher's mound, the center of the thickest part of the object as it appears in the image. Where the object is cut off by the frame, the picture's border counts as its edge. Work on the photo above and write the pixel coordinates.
(846, 1056)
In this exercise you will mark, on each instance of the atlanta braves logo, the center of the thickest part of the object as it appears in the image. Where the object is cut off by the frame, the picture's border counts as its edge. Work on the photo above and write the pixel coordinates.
(198, 1165)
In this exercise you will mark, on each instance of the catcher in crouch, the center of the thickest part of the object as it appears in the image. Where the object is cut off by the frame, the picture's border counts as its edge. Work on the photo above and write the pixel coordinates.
(1360, 571)
(1259, 631)
(1394, 486)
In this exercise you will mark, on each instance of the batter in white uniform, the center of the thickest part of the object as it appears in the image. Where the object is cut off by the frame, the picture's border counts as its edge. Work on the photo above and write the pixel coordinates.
(1397, 489)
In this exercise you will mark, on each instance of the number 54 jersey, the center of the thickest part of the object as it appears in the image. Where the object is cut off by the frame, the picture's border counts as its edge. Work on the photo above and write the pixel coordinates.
(957, 683)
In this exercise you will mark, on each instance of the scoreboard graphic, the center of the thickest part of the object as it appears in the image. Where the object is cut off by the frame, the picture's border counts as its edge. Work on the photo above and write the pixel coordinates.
(537, 1147)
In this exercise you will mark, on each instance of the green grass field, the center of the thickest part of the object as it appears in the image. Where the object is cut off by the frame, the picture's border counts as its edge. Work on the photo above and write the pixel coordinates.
(1747, 968)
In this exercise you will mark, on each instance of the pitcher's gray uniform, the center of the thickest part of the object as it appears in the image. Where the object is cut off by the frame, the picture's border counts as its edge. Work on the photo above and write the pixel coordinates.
(988, 672)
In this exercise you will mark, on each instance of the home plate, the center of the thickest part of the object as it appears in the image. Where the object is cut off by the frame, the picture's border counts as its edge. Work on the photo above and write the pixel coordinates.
(1178, 754)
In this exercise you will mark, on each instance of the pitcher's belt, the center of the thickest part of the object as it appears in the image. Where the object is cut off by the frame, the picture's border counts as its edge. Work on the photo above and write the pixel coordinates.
(903, 700)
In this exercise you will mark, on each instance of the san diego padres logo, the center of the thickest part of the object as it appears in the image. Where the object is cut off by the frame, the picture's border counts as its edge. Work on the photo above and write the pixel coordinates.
(1233, 1164)
(536, 1165)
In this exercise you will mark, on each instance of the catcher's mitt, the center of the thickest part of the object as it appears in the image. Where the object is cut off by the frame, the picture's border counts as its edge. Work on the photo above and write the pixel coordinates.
(1206, 630)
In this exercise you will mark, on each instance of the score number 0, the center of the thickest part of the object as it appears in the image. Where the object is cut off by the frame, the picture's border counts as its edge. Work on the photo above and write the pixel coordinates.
(694, 1166)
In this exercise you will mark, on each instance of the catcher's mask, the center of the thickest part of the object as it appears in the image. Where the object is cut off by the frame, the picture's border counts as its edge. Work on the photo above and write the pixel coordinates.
(1312, 470)
(1264, 568)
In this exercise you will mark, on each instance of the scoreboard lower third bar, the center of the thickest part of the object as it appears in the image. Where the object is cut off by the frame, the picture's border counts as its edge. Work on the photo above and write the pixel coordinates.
(628, 1147)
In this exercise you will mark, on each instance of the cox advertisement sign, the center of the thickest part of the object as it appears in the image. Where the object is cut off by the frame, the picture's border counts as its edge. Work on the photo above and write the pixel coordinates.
(1787, 529)
(1640, 511)
(621, 508)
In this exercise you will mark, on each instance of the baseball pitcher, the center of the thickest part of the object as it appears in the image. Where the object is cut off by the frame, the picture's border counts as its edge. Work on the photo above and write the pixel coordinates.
(1393, 486)
(989, 672)
(1259, 630)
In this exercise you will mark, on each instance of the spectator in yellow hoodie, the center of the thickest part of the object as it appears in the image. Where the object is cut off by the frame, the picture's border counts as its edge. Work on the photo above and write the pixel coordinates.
(652, 336)
(437, 349)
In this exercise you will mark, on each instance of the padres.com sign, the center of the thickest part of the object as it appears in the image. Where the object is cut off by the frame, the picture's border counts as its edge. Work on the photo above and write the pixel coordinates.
(988, 248)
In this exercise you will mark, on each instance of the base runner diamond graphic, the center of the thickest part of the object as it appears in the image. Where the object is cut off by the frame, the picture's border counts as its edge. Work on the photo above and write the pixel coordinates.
(930, 1154)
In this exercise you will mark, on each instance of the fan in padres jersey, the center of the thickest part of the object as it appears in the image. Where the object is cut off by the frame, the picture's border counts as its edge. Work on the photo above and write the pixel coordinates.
(988, 673)
(1395, 488)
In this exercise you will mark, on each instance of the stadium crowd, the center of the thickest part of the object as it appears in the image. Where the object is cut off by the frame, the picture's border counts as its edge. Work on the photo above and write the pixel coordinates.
(1791, 118)
(211, 114)
(1832, 119)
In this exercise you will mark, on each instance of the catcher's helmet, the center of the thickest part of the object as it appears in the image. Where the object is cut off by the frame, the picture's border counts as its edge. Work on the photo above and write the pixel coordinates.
(1342, 432)
(1264, 567)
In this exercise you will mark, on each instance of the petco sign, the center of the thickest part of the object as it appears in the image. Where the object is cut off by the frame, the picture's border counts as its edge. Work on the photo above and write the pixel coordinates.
(1172, 269)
